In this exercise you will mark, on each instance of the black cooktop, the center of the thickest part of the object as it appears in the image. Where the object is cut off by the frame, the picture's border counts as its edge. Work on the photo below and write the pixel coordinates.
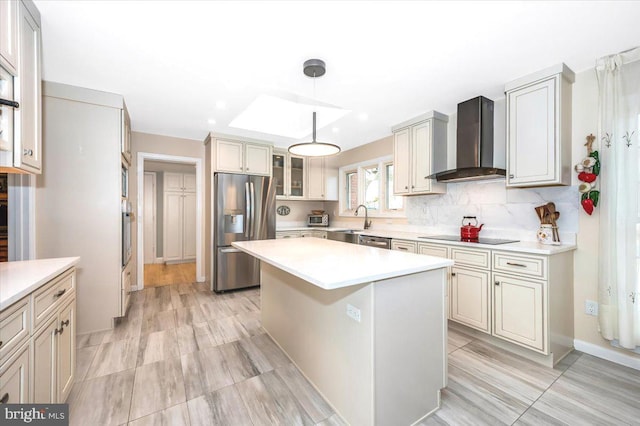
(481, 240)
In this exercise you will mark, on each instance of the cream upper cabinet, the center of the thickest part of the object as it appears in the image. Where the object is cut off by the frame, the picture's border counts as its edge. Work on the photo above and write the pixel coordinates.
(257, 159)
(316, 181)
(179, 182)
(9, 35)
(125, 147)
(29, 134)
(290, 175)
(539, 128)
(419, 151)
(239, 156)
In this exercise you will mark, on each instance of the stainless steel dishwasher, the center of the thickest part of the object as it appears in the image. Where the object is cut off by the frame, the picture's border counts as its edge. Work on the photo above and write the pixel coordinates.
(380, 242)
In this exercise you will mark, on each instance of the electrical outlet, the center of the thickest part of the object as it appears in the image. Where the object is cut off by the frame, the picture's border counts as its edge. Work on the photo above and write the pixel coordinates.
(591, 308)
(353, 313)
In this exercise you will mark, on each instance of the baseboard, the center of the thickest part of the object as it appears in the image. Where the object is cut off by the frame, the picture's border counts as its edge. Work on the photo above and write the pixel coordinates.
(159, 260)
(631, 361)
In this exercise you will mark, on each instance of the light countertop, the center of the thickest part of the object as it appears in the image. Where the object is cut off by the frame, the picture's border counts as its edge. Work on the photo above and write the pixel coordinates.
(530, 247)
(332, 264)
(18, 279)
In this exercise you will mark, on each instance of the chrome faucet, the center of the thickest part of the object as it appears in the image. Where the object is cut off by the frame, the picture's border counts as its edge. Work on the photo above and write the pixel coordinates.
(367, 223)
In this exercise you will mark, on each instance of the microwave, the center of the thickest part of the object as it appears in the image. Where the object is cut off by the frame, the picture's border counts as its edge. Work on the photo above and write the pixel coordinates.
(318, 220)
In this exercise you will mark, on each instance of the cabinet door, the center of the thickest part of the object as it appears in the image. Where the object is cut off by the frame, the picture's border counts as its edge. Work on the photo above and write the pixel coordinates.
(258, 159)
(44, 363)
(229, 156)
(173, 181)
(125, 290)
(279, 167)
(9, 34)
(189, 229)
(14, 378)
(65, 345)
(189, 182)
(296, 177)
(125, 146)
(519, 311)
(315, 178)
(29, 156)
(421, 157)
(173, 224)
(470, 298)
(531, 131)
(401, 162)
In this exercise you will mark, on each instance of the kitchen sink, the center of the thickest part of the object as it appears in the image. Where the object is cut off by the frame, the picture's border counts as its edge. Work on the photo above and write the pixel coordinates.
(344, 235)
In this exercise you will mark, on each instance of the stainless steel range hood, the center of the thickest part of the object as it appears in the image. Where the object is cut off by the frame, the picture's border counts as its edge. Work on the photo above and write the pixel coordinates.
(474, 140)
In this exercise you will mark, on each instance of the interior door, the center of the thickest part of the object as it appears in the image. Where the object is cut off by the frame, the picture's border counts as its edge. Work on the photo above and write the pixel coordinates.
(149, 217)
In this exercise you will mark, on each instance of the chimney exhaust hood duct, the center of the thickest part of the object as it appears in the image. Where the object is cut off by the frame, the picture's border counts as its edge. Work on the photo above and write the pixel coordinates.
(474, 140)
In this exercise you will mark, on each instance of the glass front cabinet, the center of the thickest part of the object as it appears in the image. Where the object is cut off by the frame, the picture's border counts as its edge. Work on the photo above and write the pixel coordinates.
(289, 175)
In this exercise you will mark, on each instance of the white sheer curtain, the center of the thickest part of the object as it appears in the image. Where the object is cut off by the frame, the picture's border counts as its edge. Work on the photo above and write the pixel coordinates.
(619, 128)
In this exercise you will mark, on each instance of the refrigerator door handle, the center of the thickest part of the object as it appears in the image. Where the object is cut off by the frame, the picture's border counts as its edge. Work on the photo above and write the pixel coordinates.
(247, 199)
(253, 210)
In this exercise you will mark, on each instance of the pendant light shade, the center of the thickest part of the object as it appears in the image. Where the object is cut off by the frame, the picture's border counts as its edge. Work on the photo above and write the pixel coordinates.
(314, 68)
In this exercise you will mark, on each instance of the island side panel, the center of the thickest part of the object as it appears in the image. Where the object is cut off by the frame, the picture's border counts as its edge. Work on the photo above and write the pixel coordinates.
(332, 350)
(410, 347)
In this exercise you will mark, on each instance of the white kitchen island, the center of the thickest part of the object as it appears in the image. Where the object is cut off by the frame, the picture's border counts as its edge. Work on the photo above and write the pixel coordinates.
(365, 325)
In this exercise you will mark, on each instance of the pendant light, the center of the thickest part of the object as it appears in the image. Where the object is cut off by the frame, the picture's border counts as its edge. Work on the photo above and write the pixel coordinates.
(314, 68)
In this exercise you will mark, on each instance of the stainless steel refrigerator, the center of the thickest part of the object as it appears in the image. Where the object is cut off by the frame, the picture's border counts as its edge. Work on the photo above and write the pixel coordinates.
(243, 209)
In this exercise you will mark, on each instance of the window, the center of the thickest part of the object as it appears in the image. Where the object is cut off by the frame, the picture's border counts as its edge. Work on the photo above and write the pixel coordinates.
(370, 183)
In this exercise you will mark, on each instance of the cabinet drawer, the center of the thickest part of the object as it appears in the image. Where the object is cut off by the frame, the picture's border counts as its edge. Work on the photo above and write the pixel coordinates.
(287, 234)
(432, 250)
(48, 299)
(468, 257)
(406, 246)
(532, 266)
(14, 326)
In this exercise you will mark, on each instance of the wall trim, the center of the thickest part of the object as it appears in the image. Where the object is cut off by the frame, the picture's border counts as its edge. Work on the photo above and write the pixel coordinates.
(608, 354)
(159, 260)
(199, 163)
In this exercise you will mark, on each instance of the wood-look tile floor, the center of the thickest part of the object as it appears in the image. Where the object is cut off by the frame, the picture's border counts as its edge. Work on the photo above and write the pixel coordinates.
(186, 356)
(161, 274)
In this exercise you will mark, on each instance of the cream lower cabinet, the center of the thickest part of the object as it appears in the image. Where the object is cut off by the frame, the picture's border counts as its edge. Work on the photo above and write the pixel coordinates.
(14, 377)
(519, 310)
(39, 335)
(470, 298)
(315, 233)
(404, 245)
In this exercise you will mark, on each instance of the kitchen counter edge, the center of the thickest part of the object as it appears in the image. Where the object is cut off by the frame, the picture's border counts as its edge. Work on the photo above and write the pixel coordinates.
(20, 278)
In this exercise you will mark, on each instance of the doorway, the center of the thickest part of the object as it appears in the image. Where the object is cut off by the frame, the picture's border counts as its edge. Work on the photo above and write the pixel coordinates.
(169, 247)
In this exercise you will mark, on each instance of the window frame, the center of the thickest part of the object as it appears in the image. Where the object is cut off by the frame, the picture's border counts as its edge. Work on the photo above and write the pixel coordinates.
(381, 163)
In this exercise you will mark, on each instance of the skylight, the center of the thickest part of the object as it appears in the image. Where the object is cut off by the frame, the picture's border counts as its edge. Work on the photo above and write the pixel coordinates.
(283, 117)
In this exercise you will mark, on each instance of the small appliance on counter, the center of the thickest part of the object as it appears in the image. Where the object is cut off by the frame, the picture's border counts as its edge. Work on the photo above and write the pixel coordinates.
(469, 231)
(318, 218)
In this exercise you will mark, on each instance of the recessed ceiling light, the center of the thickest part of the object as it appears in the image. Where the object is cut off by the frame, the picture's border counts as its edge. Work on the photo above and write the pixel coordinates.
(211, 121)
(221, 105)
(363, 116)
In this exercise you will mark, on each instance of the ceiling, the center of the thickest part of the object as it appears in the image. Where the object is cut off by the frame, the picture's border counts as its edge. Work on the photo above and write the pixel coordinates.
(186, 68)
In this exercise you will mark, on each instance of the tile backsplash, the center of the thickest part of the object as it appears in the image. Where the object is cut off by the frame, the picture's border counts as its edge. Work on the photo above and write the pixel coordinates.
(504, 212)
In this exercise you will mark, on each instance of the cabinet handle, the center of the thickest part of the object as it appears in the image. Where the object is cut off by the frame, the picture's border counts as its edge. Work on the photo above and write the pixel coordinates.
(60, 293)
(453, 274)
(402, 248)
(247, 169)
(497, 283)
(12, 104)
(1, 342)
(406, 187)
(64, 323)
(58, 331)
(5, 398)
(511, 176)
(516, 264)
